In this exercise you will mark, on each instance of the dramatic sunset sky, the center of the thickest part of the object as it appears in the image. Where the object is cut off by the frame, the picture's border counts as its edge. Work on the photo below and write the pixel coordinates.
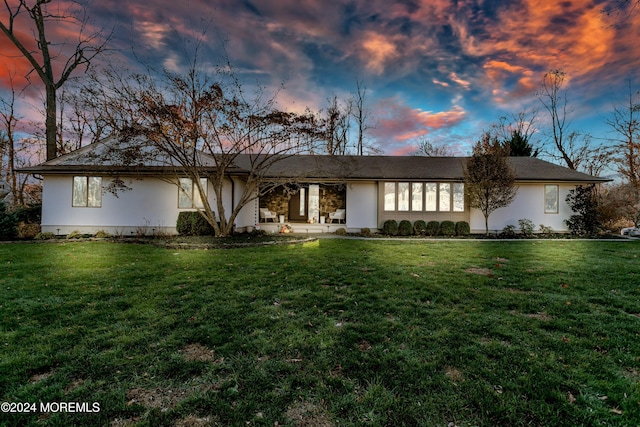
(440, 69)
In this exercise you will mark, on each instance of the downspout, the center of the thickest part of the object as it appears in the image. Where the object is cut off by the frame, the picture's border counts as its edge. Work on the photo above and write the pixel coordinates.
(233, 198)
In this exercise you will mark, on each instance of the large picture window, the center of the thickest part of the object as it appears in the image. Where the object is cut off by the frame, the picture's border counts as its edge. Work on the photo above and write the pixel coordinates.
(87, 192)
(188, 194)
(423, 197)
(551, 198)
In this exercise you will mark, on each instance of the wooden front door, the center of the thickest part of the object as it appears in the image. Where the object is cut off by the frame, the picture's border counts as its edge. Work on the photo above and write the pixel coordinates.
(298, 211)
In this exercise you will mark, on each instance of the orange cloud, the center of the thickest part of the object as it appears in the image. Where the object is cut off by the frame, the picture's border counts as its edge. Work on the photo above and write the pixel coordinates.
(377, 51)
(532, 37)
(399, 122)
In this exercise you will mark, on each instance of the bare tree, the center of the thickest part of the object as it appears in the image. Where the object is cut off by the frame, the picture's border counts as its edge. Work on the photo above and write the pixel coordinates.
(336, 126)
(53, 69)
(569, 146)
(361, 114)
(428, 149)
(517, 132)
(489, 179)
(8, 122)
(206, 126)
(625, 121)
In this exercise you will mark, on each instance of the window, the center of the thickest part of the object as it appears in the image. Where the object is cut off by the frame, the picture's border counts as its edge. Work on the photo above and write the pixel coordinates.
(389, 196)
(188, 194)
(551, 197)
(445, 197)
(431, 196)
(416, 196)
(458, 197)
(424, 197)
(87, 192)
(403, 196)
(303, 202)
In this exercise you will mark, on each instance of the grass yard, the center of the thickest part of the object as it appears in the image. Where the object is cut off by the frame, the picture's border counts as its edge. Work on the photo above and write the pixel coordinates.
(326, 333)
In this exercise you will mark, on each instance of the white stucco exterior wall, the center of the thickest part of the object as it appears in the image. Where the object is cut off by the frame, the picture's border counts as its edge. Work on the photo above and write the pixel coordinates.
(362, 206)
(149, 204)
(528, 204)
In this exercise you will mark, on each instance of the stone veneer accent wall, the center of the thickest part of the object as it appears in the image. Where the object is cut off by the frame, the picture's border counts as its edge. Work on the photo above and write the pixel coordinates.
(276, 201)
(332, 197)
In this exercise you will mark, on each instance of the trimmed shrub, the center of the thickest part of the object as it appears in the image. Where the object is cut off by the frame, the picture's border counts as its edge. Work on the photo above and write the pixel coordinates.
(420, 227)
(405, 228)
(341, 231)
(447, 228)
(192, 223)
(390, 227)
(432, 228)
(365, 231)
(462, 228)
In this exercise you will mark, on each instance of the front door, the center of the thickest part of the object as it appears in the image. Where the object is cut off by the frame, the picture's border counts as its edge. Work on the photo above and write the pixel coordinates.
(298, 211)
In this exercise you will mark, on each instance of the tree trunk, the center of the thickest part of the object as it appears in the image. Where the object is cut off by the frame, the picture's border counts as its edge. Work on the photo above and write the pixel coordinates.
(50, 122)
(486, 224)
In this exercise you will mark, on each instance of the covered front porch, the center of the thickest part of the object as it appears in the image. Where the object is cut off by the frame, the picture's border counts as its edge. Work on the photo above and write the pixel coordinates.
(319, 207)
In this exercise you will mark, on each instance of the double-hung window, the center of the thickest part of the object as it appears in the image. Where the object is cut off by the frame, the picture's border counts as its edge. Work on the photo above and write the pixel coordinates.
(87, 192)
(188, 194)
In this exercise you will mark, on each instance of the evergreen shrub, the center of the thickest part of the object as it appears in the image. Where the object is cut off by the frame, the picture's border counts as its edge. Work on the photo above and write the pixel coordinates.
(390, 227)
(462, 228)
(420, 227)
(192, 223)
(447, 228)
(432, 228)
(405, 228)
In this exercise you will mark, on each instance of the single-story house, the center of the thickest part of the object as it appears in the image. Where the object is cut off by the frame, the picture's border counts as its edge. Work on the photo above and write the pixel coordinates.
(316, 193)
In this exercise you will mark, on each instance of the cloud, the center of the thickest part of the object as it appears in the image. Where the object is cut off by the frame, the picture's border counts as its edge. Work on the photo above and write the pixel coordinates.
(399, 123)
(525, 40)
(377, 51)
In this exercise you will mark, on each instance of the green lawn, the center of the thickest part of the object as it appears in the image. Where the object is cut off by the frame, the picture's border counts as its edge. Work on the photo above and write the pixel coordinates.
(326, 333)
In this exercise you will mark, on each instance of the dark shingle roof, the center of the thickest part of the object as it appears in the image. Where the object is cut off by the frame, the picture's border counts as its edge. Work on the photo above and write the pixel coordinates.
(414, 168)
(92, 159)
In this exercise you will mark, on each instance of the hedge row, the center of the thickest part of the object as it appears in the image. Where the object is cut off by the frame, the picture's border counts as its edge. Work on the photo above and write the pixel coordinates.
(421, 228)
